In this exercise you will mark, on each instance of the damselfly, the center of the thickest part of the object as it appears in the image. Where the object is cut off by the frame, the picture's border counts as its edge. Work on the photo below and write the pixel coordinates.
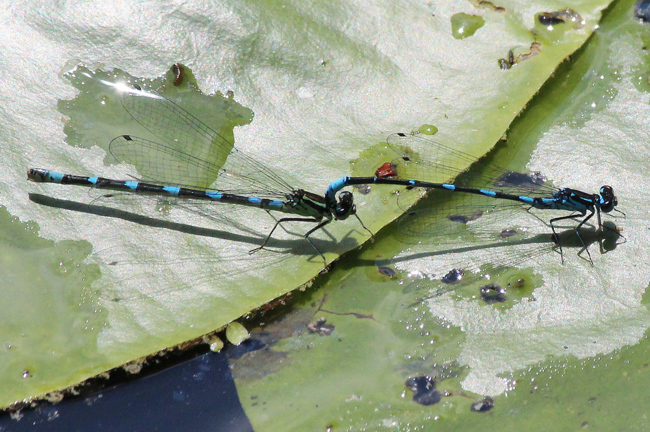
(193, 156)
(493, 189)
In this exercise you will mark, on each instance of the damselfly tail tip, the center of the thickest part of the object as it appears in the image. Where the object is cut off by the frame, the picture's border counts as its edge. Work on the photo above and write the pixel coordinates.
(35, 174)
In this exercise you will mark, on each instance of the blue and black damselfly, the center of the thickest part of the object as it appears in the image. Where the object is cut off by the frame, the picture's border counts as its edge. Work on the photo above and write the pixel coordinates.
(193, 155)
(491, 189)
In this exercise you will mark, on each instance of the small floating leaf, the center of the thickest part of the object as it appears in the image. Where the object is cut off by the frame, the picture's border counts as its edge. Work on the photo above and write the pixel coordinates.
(236, 333)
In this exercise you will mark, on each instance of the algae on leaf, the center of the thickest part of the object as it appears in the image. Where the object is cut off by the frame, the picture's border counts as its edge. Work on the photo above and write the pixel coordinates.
(51, 319)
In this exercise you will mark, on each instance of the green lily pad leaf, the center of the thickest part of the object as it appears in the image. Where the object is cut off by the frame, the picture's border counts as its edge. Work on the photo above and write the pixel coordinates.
(560, 331)
(325, 84)
(42, 351)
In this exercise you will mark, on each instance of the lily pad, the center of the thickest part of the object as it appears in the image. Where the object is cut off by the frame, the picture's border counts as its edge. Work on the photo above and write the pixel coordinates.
(563, 346)
(325, 83)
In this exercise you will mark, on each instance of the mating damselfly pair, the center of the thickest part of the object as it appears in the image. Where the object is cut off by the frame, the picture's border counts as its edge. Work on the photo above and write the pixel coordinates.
(188, 146)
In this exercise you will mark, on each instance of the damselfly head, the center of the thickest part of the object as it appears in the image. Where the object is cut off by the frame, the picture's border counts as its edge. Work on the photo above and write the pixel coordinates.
(345, 206)
(607, 199)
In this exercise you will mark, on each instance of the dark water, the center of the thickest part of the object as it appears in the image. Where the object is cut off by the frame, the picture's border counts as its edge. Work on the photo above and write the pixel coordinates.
(197, 395)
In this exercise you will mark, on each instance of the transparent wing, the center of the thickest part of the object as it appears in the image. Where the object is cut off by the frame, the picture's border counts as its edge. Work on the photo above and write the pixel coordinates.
(189, 273)
(178, 168)
(491, 240)
(441, 214)
(419, 157)
(154, 210)
(192, 154)
(162, 164)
